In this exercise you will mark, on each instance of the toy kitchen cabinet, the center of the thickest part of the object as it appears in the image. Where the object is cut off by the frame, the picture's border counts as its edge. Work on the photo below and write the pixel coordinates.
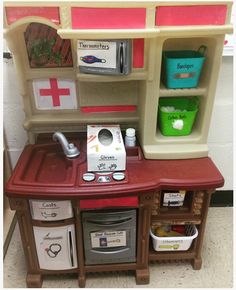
(67, 84)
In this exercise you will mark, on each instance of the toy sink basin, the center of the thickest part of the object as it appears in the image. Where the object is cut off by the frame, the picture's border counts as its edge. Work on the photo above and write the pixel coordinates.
(47, 165)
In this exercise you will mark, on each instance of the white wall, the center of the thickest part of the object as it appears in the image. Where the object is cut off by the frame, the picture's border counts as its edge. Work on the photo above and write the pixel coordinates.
(13, 114)
(220, 139)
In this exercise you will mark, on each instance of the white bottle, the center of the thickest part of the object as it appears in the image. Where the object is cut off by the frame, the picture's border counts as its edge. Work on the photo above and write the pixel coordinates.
(130, 139)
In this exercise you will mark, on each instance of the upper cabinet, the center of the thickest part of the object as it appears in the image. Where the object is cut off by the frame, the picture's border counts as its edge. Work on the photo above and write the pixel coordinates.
(84, 62)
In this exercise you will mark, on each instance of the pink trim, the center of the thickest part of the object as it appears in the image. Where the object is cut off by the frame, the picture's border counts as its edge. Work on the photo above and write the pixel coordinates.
(191, 15)
(15, 13)
(138, 53)
(102, 109)
(109, 202)
(108, 18)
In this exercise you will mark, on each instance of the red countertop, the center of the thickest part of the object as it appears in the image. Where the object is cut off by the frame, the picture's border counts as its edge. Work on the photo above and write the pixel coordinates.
(142, 176)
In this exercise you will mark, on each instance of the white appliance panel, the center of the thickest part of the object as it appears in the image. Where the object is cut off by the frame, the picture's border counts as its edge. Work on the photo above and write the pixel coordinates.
(56, 247)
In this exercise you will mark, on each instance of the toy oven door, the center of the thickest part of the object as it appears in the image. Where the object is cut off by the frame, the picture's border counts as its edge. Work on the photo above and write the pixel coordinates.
(109, 237)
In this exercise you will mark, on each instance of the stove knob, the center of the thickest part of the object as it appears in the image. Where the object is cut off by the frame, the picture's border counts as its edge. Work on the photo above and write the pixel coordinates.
(88, 176)
(118, 176)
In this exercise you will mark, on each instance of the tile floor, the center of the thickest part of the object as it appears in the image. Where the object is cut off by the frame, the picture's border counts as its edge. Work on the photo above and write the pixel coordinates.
(216, 272)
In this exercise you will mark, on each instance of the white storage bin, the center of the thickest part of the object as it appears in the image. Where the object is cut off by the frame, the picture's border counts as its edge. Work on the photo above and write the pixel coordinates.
(175, 243)
(50, 210)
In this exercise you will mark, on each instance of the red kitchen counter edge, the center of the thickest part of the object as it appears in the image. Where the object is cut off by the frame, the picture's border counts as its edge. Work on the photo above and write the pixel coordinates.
(143, 176)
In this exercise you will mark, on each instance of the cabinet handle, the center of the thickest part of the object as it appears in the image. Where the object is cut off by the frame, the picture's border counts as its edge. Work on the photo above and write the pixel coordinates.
(121, 57)
(109, 223)
(71, 249)
(102, 251)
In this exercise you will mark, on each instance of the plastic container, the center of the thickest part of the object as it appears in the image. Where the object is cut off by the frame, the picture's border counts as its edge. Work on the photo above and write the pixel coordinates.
(130, 139)
(175, 243)
(182, 68)
(177, 123)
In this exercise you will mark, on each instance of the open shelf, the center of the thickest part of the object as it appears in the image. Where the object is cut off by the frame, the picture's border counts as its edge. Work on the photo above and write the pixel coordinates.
(43, 73)
(194, 137)
(175, 210)
(165, 92)
(175, 151)
(78, 118)
(177, 220)
(179, 255)
(108, 93)
(135, 75)
(194, 145)
(181, 249)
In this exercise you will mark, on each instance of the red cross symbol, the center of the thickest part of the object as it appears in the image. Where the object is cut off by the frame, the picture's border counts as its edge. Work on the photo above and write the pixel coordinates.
(54, 92)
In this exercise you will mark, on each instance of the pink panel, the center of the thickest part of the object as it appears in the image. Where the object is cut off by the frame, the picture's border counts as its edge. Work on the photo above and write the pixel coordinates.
(138, 53)
(108, 18)
(191, 15)
(109, 202)
(101, 109)
(15, 13)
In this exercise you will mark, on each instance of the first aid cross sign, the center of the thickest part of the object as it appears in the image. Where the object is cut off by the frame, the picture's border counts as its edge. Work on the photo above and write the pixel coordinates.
(53, 94)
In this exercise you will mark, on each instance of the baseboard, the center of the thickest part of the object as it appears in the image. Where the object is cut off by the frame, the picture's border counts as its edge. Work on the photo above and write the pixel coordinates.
(222, 198)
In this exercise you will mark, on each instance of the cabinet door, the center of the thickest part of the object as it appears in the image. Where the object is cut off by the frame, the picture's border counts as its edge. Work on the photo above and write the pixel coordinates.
(55, 247)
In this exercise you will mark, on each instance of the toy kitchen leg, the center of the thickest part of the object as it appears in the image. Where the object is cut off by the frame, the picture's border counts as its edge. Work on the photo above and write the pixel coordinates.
(142, 271)
(34, 277)
(79, 239)
(197, 261)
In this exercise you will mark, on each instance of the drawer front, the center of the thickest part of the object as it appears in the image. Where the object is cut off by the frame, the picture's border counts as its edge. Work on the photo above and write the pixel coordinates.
(56, 247)
(51, 210)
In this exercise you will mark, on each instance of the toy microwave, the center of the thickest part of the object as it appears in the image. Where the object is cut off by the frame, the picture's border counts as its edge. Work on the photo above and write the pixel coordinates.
(111, 57)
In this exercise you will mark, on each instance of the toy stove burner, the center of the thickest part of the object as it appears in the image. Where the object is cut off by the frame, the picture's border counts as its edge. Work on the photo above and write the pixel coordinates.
(88, 176)
(103, 177)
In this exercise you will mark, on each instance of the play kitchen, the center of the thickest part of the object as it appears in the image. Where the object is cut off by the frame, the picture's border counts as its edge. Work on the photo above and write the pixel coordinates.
(118, 101)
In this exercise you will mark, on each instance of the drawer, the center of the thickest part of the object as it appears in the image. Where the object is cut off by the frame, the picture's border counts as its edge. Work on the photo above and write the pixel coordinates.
(50, 210)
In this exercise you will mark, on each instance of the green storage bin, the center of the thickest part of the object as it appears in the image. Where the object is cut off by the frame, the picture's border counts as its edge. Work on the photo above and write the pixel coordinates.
(182, 68)
(177, 123)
